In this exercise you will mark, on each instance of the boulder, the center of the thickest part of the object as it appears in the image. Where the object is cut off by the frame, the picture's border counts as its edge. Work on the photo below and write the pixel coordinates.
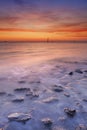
(57, 88)
(19, 117)
(47, 121)
(70, 112)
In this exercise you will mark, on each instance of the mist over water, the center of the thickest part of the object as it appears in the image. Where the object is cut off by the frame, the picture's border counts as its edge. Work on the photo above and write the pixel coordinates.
(23, 55)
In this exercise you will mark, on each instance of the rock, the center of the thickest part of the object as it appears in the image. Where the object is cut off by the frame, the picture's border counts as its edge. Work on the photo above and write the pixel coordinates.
(22, 89)
(85, 71)
(19, 117)
(21, 99)
(70, 112)
(79, 71)
(81, 127)
(85, 100)
(29, 93)
(66, 94)
(47, 121)
(22, 82)
(2, 93)
(58, 88)
(50, 99)
(35, 95)
(71, 73)
(38, 82)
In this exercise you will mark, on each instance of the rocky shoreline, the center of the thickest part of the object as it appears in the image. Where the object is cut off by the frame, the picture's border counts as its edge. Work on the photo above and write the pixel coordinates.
(50, 97)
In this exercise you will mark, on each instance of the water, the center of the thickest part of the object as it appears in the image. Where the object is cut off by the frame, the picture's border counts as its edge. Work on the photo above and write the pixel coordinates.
(21, 55)
(41, 66)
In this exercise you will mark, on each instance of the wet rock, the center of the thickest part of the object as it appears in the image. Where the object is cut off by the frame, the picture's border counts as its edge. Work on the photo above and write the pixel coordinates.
(19, 117)
(50, 100)
(35, 95)
(79, 71)
(71, 73)
(32, 95)
(66, 94)
(47, 121)
(21, 89)
(21, 99)
(22, 82)
(85, 100)
(29, 93)
(58, 88)
(70, 112)
(38, 82)
(85, 71)
(2, 93)
(81, 127)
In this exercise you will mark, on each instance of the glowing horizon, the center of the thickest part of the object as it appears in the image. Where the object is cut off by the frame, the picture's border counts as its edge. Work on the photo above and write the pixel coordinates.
(30, 20)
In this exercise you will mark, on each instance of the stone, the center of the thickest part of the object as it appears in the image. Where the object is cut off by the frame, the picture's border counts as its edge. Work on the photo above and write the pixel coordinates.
(21, 99)
(70, 112)
(58, 88)
(22, 82)
(71, 73)
(81, 127)
(50, 100)
(29, 93)
(85, 100)
(2, 93)
(19, 117)
(21, 89)
(66, 94)
(85, 71)
(47, 121)
(79, 71)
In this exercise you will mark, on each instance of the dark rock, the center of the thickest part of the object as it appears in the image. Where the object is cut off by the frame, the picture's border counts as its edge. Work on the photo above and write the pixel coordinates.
(22, 82)
(38, 82)
(71, 73)
(19, 117)
(32, 94)
(66, 94)
(22, 89)
(35, 95)
(58, 88)
(81, 127)
(47, 121)
(29, 93)
(85, 71)
(85, 100)
(79, 71)
(21, 99)
(2, 93)
(70, 112)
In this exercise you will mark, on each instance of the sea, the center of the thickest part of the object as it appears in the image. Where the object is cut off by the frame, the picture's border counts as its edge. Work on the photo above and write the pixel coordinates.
(15, 57)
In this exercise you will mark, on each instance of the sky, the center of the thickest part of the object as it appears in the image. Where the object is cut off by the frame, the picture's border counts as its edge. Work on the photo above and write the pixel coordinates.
(39, 20)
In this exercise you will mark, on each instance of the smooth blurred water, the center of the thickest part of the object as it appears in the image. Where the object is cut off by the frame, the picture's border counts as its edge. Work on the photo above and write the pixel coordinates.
(30, 54)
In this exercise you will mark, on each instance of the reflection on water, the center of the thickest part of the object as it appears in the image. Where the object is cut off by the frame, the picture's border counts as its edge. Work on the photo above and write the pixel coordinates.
(25, 54)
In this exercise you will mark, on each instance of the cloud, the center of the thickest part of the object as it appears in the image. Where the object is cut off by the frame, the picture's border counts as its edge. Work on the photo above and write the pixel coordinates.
(19, 2)
(8, 20)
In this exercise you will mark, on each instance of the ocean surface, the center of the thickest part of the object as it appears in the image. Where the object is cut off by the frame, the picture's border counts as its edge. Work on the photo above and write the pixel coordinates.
(17, 56)
(42, 80)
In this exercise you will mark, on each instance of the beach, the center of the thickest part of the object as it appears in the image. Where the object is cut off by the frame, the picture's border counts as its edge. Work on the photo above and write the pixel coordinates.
(43, 86)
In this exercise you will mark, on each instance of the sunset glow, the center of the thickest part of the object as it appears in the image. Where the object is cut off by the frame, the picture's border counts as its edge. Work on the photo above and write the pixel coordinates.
(37, 20)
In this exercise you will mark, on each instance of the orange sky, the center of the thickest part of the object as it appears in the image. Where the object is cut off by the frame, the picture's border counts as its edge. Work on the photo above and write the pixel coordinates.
(65, 22)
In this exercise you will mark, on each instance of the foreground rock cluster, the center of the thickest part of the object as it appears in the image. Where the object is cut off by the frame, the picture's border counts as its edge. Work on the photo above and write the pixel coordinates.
(54, 100)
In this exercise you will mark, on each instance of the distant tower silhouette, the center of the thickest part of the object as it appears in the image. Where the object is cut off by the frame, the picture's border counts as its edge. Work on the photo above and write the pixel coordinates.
(47, 39)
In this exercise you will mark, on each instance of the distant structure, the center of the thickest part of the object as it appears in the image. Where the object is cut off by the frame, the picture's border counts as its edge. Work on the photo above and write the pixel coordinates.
(47, 39)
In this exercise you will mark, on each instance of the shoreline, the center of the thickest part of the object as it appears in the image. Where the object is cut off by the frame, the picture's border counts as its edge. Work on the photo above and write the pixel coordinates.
(50, 97)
